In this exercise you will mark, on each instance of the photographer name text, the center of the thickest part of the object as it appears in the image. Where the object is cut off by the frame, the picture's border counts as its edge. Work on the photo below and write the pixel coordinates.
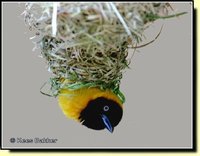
(36, 140)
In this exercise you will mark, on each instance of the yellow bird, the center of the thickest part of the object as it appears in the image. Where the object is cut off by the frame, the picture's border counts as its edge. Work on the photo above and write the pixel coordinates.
(95, 108)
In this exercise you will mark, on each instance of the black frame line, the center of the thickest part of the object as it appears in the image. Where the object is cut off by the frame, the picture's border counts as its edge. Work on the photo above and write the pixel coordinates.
(194, 117)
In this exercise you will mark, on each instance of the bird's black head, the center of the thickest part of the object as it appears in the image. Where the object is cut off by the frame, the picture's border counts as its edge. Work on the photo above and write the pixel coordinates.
(101, 113)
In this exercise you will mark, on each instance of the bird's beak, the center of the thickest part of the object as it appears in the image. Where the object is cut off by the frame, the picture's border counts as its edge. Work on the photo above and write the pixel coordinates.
(107, 123)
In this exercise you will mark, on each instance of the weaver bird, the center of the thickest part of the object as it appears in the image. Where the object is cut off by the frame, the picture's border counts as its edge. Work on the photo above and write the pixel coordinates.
(95, 108)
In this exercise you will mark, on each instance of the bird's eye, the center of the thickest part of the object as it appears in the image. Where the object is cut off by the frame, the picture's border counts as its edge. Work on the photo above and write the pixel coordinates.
(105, 108)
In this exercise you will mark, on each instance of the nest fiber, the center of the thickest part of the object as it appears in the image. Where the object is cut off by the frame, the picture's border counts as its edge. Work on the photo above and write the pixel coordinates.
(86, 44)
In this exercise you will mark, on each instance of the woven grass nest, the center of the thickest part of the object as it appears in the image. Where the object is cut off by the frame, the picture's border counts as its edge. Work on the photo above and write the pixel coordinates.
(87, 43)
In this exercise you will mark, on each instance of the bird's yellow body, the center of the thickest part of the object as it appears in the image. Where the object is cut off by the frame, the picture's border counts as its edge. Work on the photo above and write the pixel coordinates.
(72, 102)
